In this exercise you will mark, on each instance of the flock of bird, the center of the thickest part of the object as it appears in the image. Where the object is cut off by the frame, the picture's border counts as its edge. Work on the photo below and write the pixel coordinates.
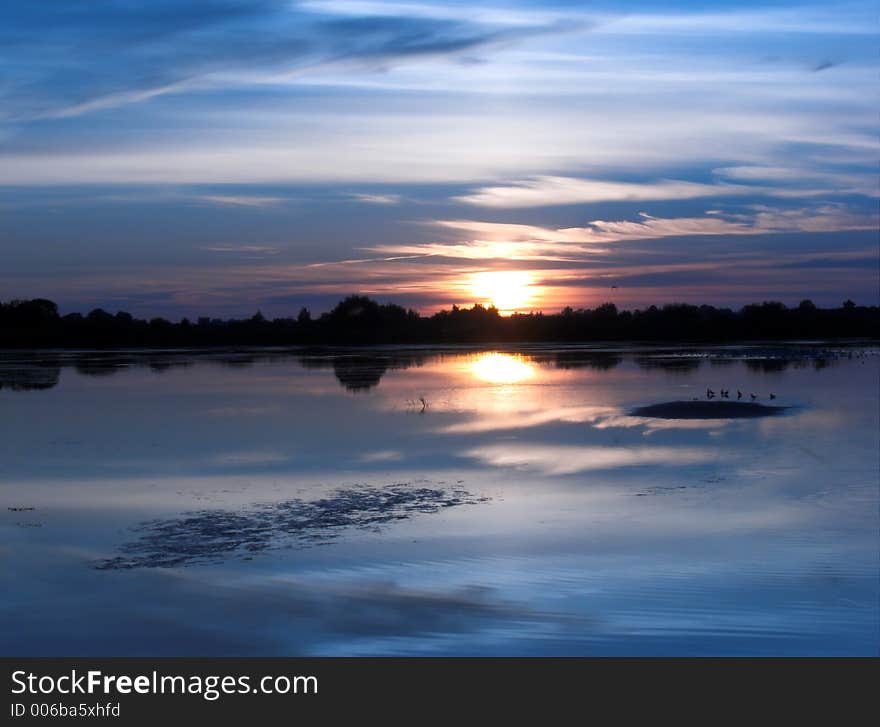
(725, 394)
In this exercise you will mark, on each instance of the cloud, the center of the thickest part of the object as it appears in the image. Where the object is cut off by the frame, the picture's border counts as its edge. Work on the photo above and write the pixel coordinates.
(493, 240)
(377, 198)
(814, 20)
(716, 270)
(385, 455)
(804, 181)
(632, 21)
(824, 66)
(546, 191)
(249, 458)
(240, 200)
(229, 89)
(485, 14)
(253, 250)
(128, 51)
(281, 131)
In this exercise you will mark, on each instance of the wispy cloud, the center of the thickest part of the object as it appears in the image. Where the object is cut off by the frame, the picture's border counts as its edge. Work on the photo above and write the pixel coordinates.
(163, 47)
(249, 458)
(824, 66)
(803, 181)
(476, 12)
(250, 250)
(376, 198)
(809, 20)
(240, 200)
(384, 455)
(546, 191)
(549, 190)
(629, 20)
(493, 240)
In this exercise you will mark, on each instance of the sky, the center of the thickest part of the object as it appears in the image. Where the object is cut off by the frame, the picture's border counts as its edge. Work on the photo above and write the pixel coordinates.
(216, 157)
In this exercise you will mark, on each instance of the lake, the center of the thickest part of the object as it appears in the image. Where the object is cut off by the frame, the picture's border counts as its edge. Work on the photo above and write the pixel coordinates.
(423, 501)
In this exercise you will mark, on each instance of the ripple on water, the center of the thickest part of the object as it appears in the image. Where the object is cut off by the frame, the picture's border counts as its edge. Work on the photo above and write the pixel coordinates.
(215, 535)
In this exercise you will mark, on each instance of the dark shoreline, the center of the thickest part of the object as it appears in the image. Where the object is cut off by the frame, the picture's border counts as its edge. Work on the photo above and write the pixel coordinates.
(737, 348)
(360, 321)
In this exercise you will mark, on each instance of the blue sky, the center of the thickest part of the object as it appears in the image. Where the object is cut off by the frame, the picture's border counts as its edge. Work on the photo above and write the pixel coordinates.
(218, 156)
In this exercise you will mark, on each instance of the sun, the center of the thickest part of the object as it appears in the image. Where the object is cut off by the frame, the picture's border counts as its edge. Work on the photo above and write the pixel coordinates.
(507, 290)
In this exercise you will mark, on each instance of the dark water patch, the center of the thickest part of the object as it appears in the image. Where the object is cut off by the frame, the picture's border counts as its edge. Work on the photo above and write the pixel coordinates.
(707, 410)
(212, 536)
(104, 363)
(362, 372)
(579, 359)
(359, 373)
(672, 364)
(716, 362)
(25, 377)
(768, 365)
(774, 360)
(160, 365)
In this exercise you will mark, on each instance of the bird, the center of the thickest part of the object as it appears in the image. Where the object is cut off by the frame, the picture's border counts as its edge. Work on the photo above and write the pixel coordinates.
(753, 397)
(772, 395)
(739, 395)
(710, 394)
(725, 393)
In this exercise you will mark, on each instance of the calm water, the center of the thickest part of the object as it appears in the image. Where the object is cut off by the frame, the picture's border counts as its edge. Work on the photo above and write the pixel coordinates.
(437, 502)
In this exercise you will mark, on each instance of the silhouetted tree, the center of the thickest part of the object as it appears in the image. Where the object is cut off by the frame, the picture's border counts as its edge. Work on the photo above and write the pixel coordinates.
(360, 320)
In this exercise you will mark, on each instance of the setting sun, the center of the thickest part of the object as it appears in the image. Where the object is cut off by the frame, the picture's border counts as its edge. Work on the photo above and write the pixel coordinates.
(507, 290)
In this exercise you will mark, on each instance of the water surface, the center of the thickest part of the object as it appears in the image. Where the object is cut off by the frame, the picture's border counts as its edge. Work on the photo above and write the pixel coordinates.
(426, 501)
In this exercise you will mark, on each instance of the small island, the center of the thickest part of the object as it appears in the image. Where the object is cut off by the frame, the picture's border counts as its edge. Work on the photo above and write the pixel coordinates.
(708, 410)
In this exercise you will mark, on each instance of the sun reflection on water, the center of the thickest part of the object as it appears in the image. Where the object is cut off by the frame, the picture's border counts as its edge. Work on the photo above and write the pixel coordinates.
(502, 368)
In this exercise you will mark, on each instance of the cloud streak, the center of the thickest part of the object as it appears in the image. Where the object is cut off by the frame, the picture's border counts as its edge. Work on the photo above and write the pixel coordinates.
(547, 191)
(493, 240)
(377, 198)
(241, 200)
(162, 47)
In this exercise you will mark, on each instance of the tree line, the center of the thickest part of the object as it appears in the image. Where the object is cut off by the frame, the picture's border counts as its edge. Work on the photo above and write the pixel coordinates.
(358, 320)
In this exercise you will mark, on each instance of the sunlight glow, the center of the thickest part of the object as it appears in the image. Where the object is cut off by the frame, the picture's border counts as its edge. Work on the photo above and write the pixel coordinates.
(507, 290)
(502, 368)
